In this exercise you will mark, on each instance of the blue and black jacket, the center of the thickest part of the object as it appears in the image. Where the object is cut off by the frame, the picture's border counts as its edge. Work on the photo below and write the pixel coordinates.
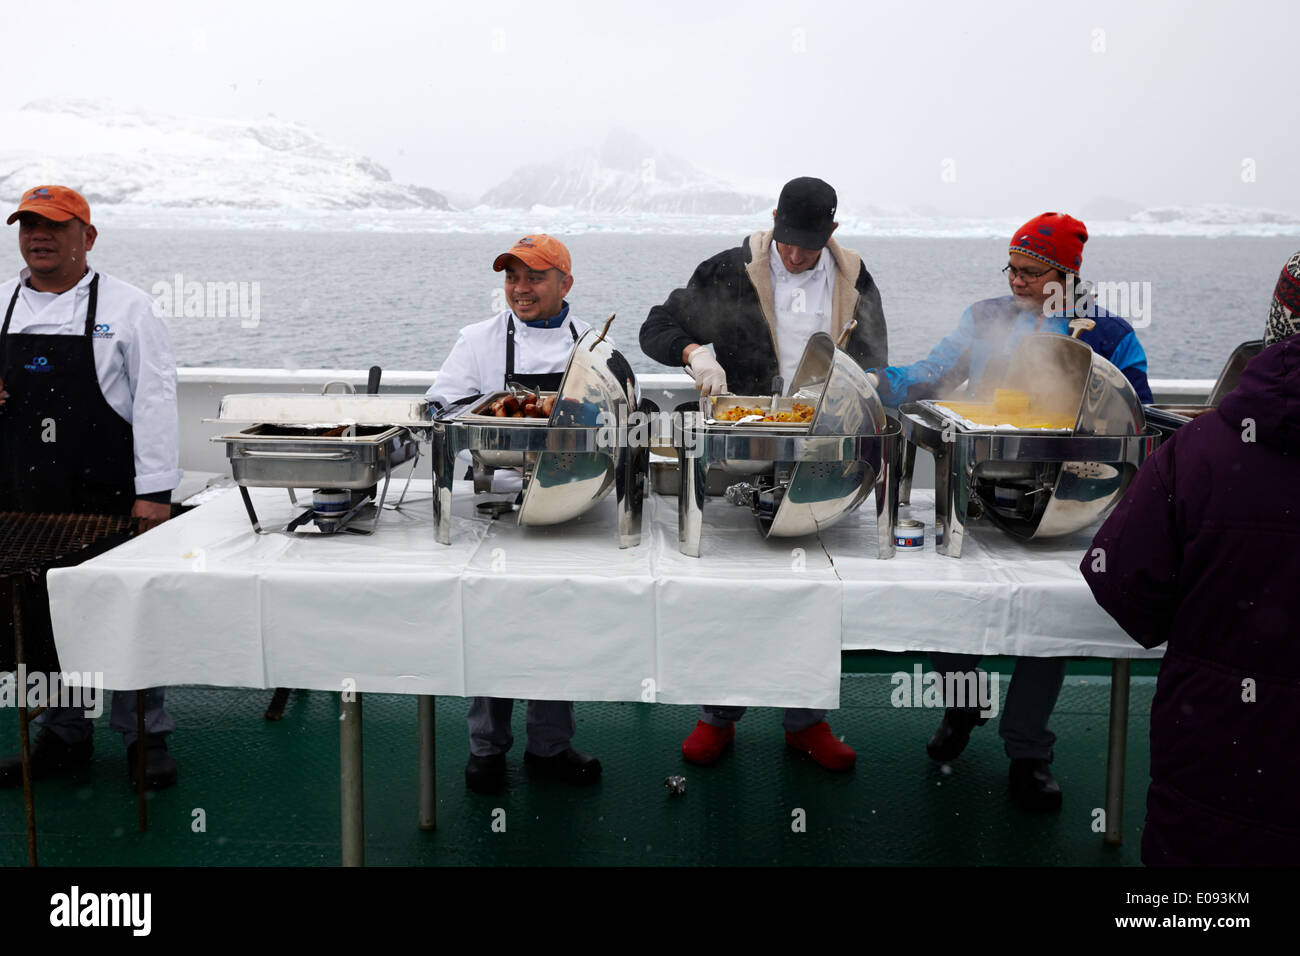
(980, 348)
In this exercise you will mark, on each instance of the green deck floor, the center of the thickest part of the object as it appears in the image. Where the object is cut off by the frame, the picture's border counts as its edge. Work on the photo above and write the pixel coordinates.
(270, 791)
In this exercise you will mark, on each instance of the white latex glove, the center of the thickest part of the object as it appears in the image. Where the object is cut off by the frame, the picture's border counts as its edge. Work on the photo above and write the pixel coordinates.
(710, 378)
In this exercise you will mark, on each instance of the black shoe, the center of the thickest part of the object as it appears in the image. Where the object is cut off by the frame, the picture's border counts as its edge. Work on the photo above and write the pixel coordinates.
(50, 755)
(953, 734)
(486, 774)
(569, 766)
(1033, 786)
(159, 767)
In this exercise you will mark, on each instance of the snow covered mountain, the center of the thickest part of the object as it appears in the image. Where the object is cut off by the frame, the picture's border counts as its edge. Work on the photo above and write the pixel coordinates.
(623, 175)
(150, 159)
(1215, 214)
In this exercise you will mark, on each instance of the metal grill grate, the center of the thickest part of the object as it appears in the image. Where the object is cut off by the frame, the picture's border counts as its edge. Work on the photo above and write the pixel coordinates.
(30, 543)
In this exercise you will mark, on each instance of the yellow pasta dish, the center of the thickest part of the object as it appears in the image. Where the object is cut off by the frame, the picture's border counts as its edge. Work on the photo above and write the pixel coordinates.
(1011, 407)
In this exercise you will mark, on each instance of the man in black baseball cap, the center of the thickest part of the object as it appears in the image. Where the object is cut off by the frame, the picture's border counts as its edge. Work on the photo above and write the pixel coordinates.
(758, 311)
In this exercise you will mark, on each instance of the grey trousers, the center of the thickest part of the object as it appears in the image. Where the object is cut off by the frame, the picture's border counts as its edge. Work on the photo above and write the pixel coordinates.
(550, 726)
(796, 718)
(73, 726)
(1035, 686)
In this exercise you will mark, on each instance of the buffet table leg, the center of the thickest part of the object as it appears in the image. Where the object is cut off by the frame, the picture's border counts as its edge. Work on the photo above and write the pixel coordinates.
(24, 732)
(140, 761)
(428, 778)
(1116, 751)
(350, 778)
(29, 798)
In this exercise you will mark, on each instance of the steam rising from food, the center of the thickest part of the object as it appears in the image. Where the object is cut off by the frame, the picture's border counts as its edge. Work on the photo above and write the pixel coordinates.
(1042, 388)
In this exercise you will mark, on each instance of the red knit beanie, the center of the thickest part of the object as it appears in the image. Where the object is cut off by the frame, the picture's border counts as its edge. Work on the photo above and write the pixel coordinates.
(1054, 238)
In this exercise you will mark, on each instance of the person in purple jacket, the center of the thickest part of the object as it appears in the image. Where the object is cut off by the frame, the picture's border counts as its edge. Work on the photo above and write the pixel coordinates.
(1203, 554)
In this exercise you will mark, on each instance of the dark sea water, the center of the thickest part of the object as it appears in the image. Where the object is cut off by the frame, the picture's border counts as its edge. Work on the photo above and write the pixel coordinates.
(351, 299)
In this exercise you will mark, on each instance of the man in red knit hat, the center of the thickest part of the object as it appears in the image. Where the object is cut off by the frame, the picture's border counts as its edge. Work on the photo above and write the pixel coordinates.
(1043, 260)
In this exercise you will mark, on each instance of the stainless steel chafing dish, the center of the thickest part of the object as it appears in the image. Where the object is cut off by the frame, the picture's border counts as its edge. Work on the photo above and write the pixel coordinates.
(1169, 418)
(342, 446)
(570, 460)
(801, 477)
(1031, 482)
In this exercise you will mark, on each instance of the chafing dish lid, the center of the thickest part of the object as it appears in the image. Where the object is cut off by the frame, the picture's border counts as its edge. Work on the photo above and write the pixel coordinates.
(291, 408)
(1063, 372)
(1230, 375)
(847, 403)
(597, 376)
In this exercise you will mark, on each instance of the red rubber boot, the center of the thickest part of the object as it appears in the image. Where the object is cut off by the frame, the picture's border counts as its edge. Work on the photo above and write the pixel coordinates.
(705, 744)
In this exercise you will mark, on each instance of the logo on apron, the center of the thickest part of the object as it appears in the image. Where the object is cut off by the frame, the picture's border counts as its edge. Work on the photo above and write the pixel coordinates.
(39, 364)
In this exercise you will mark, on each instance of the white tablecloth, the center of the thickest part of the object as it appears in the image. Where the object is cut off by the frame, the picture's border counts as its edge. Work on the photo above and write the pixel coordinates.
(555, 613)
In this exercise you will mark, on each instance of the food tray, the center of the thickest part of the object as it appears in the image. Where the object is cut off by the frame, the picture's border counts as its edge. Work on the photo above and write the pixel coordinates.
(259, 459)
(480, 413)
(967, 425)
(716, 405)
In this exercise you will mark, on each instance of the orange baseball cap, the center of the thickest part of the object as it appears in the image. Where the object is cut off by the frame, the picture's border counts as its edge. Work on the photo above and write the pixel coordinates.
(57, 203)
(538, 251)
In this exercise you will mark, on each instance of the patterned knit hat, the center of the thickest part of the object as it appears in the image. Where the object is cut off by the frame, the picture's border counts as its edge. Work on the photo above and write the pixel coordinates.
(1284, 311)
(1054, 238)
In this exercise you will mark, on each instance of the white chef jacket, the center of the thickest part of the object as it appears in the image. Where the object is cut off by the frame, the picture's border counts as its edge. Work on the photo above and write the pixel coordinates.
(802, 305)
(133, 359)
(477, 365)
(477, 362)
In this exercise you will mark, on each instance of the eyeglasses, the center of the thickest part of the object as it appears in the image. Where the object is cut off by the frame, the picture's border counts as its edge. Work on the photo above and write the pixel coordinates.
(1015, 273)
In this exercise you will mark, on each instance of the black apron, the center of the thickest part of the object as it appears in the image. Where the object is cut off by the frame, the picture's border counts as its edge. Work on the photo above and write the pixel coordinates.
(89, 465)
(546, 381)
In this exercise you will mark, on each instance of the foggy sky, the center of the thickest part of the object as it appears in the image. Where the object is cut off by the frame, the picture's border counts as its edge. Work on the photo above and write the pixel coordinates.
(1036, 106)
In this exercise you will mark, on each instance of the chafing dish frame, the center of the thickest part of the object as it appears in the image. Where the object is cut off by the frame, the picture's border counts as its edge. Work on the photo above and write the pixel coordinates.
(699, 444)
(1171, 417)
(346, 462)
(958, 453)
(510, 439)
(842, 398)
(1106, 403)
(605, 383)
